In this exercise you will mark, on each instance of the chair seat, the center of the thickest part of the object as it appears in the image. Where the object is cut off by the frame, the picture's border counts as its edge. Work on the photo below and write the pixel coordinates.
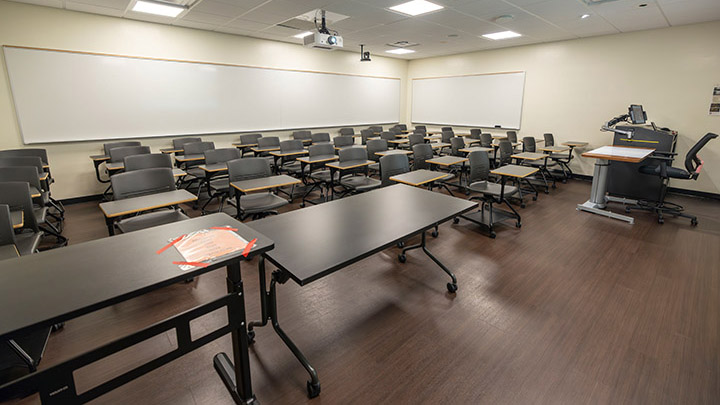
(360, 183)
(374, 166)
(323, 176)
(27, 242)
(150, 220)
(292, 167)
(40, 214)
(493, 189)
(672, 172)
(220, 185)
(447, 177)
(559, 156)
(260, 202)
(541, 163)
(195, 172)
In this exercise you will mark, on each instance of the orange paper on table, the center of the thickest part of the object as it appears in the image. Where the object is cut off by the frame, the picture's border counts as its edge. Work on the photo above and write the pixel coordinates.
(209, 244)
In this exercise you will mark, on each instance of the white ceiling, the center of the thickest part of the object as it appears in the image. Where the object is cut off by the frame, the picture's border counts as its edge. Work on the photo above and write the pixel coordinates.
(455, 29)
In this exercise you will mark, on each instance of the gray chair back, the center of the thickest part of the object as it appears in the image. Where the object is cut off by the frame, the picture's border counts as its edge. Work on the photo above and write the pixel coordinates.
(387, 135)
(486, 140)
(16, 194)
(33, 161)
(512, 136)
(248, 168)
(365, 134)
(415, 139)
(142, 182)
(342, 141)
(396, 131)
(118, 154)
(549, 139)
(456, 144)
(322, 149)
(36, 152)
(7, 234)
(320, 137)
(292, 145)
(376, 128)
(446, 129)
(529, 144)
(479, 163)
(505, 151)
(269, 142)
(392, 165)
(302, 135)
(26, 174)
(221, 155)
(349, 154)
(139, 162)
(376, 145)
(347, 131)
(475, 133)
(179, 143)
(447, 136)
(198, 148)
(403, 127)
(421, 153)
(422, 128)
(108, 146)
(249, 139)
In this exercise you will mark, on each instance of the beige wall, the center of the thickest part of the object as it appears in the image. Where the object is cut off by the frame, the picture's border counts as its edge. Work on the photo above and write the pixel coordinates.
(27, 25)
(572, 87)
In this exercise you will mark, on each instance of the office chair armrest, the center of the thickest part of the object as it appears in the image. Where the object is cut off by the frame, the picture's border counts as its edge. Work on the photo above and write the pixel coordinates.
(663, 158)
(663, 169)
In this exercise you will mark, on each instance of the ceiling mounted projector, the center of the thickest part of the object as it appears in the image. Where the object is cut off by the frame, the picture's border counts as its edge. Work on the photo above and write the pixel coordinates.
(323, 39)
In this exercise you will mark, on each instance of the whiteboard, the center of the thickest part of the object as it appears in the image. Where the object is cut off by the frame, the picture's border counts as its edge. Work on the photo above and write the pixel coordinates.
(70, 96)
(486, 100)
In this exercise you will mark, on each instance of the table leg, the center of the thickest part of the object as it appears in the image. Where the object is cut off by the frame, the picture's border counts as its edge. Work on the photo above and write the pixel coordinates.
(110, 225)
(236, 373)
(598, 199)
(452, 286)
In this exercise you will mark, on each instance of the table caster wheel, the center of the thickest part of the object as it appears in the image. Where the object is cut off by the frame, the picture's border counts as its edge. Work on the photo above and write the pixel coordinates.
(401, 245)
(693, 222)
(492, 235)
(251, 337)
(402, 258)
(452, 287)
(522, 205)
(434, 234)
(456, 221)
(313, 389)
(661, 221)
(518, 224)
(627, 210)
(547, 191)
(302, 205)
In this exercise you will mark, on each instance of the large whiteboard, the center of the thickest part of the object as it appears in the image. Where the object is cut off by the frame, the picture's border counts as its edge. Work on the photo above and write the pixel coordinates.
(70, 96)
(486, 100)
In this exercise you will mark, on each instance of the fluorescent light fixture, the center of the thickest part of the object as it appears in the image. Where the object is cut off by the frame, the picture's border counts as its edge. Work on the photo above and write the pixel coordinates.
(303, 34)
(584, 16)
(400, 51)
(502, 35)
(416, 7)
(158, 8)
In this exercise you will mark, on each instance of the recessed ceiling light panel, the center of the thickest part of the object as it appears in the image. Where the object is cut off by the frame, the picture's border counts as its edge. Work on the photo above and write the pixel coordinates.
(416, 7)
(158, 8)
(400, 51)
(502, 35)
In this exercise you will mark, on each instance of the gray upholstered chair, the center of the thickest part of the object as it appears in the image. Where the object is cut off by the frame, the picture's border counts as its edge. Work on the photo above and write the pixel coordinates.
(457, 143)
(486, 140)
(347, 131)
(392, 165)
(356, 181)
(179, 143)
(118, 154)
(320, 137)
(342, 142)
(255, 205)
(144, 182)
(148, 161)
(16, 195)
(319, 178)
(365, 135)
(373, 146)
(217, 184)
(248, 139)
(108, 146)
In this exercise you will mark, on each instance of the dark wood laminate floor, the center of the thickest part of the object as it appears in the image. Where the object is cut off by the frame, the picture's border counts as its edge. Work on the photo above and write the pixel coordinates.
(572, 308)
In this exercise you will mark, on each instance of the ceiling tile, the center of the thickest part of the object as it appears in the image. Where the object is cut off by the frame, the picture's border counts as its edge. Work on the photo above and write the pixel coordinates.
(263, 17)
(196, 25)
(680, 12)
(47, 3)
(635, 19)
(558, 10)
(116, 4)
(87, 8)
(226, 9)
(461, 22)
(197, 16)
(246, 25)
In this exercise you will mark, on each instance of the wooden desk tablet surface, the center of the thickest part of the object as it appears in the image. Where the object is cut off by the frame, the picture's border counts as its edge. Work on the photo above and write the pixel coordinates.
(529, 156)
(554, 148)
(475, 148)
(34, 193)
(214, 168)
(470, 141)
(264, 183)
(270, 149)
(114, 166)
(447, 160)
(350, 164)
(17, 218)
(439, 145)
(498, 136)
(317, 159)
(44, 176)
(431, 137)
(418, 177)
(514, 171)
(171, 150)
(117, 208)
(620, 153)
(189, 158)
(575, 144)
(178, 172)
(394, 152)
(289, 153)
(99, 158)
(244, 145)
(399, 141)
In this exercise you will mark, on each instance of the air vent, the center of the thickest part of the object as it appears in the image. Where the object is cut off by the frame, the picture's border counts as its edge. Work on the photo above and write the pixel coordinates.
(593, 2)
(403, 44)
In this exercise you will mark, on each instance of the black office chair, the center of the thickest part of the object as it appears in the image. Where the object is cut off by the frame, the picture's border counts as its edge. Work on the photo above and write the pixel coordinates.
(16, 195)
(447, 129)
(319, 178)
(512, 137)
(147, 161)
(289, 164)
(194, 173)
(542, 164)
(43, 155)
(218, 185)
(46, 198)
(421, 128)
(356, 181)
(376, 128)
(256, 205)
(475, 133)
(457, 143)
(403, 127)
(144, 182)
(562, 159)
(490, 193)
(388, 136)
(343, 142)
(413, 139)
(320, 137)
(373, 146)
(179, 143)
(693, 166)
(347, 132)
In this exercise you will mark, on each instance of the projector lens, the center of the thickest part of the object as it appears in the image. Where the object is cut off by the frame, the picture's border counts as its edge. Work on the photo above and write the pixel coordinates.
(332, 40)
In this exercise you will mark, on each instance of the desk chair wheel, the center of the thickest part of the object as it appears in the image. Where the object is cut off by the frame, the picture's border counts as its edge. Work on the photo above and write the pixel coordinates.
(518, 225)
(313, 389)
(627, 210)
(57, 326)
(402, 258)
(452, 287)
(401, 245)
(693, 222)
(554, 186)
(522, 205)
(251, 337)
(492, 235)
(302, 205)
(546, 191)
(456, 220)
(435, 234)
(661, 220)
(535, 198)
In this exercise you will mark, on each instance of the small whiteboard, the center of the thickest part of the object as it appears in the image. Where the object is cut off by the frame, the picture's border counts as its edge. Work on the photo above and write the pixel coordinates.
(485, 100)
(73, 96)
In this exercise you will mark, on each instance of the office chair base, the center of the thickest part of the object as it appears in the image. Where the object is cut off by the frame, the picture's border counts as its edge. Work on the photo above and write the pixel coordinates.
(661, 210)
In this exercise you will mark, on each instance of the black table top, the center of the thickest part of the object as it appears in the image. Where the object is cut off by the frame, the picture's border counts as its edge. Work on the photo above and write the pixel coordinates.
(117, 208)
(316, 241)
(264, 183)
(52, 286)
(8, 252)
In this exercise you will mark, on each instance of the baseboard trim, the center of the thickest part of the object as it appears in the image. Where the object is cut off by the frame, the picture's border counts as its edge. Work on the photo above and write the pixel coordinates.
(671, 190)
(78, 200)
